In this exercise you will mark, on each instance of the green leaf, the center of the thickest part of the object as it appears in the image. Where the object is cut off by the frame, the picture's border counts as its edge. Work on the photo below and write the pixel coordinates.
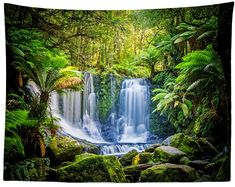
(185, 109)
(206, 34)
(17, 51)
(159, 96)
(180, 39)
(160, 90)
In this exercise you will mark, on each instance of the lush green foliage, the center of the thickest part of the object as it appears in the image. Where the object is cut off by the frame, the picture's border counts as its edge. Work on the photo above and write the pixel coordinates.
(15, 121)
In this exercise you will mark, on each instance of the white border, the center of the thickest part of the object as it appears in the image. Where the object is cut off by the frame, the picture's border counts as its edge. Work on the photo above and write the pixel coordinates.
(98, 5)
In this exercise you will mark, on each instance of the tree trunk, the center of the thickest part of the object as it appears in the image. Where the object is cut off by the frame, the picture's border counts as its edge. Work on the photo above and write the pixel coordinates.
(224, 50)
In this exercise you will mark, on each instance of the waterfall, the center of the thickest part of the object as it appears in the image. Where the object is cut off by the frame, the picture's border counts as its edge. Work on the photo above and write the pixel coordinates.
(77, 111)
(133, 123)
(126, 127)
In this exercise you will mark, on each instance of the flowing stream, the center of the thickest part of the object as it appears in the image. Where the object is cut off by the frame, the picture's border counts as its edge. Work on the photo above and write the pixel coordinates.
(129, 116)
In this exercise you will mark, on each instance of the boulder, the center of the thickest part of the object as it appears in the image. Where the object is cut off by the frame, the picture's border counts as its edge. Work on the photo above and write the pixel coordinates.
(64, 148)
(152, 148)
(92, 168)
(222, 169)
(133, 172)
(167, 154)
(207, 147)
(142, 158)
(184, 160)
(127, 158)
(219, 168)
(184, 143)
(169, 173)
(33, 169)
(89, 147)
(204, 178)
(198, 164)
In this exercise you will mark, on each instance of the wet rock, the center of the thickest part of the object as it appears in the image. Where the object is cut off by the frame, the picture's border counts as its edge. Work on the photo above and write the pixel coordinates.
(204, 178)
(89, 147)
(184, 160)
(198, 164)
(207, 147)
(184, 143)
(142, 158)
(167, 154)
(92, 168)
(126, 159)
(169, 173)
(133, 172)
(219, 169)
(152, 148)
(64, 148)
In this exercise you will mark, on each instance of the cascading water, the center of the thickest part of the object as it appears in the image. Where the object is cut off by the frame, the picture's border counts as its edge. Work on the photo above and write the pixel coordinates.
(77, 111)
(133, 122)
(127, 125)
(134, 110)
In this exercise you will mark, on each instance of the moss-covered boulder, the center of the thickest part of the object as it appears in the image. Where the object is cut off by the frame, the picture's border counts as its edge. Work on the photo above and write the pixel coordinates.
(142, 158)
(167, 154)
(133, 172)
(169, 173)
(89, 147)
(64, 148)
(152, 148)
(127, 158)
(207, 147)
(184, 160)
(92, 168)
(34, 169)
(198, 164)
(184, 143)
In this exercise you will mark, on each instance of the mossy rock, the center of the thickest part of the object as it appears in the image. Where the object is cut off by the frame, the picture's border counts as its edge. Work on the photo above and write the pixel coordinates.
(184, 160)
(89, 147)
(207, 147)
(64, 148)
(142, 158)
(92, 168)
(167, 154)
(126, 159)
(33, 169)
(198, 164)
(221, 170)
(184, 143)
(152, 148)
(133, 172)
(169, 173)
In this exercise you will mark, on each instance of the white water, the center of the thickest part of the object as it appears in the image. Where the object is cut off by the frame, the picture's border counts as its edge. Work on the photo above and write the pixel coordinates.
(120, 149)
(134, 109)
(77, 111)
(79, 115)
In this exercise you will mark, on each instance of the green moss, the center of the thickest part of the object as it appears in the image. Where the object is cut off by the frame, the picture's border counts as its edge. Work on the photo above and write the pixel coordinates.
(221, 170)
(184, 160)
(151, 148)
(142, 158)
(34, 169)
(133, 173)
(92, 168)
(65, 148)
(168, 173)
(167, 154)
(207, 147)
(127, 158)
(186, 144)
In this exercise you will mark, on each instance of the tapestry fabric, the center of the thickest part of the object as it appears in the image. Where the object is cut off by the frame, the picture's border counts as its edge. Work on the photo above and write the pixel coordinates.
(118, 95)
